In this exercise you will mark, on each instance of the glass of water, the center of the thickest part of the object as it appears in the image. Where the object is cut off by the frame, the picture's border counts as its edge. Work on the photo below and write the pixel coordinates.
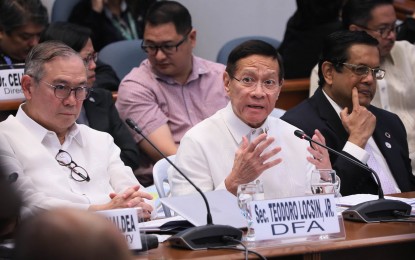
(247, 193)
(324, 181)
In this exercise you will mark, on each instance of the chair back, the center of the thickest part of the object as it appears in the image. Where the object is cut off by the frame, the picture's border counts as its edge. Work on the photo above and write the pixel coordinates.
(61, 10)
(123, 56)
(230, 45)
(161, 180)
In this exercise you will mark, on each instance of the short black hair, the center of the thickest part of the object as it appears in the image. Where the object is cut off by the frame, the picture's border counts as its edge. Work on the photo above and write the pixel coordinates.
(253, 47)
(18, 13)
(73, 35)
(336, 46)
(358, 12)
(169, 12)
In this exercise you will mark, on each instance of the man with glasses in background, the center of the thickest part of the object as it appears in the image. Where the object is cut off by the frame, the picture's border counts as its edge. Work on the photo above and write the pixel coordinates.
(61, 163)
(396, 92)
(242, 143)
(21, 22)
(341, 109)
(172, 90)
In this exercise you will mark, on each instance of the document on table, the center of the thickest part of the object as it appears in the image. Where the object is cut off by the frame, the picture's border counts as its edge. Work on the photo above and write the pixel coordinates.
(172, 224)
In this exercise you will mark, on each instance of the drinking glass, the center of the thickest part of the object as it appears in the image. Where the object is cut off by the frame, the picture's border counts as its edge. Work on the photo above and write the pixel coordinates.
(324, 181)
(247, 193)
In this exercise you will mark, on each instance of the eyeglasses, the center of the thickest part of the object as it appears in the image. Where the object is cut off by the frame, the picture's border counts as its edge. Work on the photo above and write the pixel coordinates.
(77, 172)
(167, 49)
(383, 31)
(363, 70)
(62, 91)
(270, 85)
(91, 57)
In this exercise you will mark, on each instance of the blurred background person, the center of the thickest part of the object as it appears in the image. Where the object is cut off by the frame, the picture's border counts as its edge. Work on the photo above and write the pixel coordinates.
(98, 110)
(311, 22)
(68, 234)
(172, 90)
(111, 20)
(21, 22)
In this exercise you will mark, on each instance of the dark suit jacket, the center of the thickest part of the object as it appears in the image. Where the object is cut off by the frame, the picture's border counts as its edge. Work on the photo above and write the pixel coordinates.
(103, 116)
(389, 135)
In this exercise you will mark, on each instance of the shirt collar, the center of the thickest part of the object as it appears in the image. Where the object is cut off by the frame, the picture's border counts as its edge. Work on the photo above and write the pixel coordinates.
(336, 107)
(41, 133)
(198, 69)
(237, 127)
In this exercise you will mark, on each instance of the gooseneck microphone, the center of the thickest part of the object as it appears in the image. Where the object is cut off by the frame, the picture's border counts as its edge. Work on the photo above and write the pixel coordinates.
(370, 211)
(203, 237)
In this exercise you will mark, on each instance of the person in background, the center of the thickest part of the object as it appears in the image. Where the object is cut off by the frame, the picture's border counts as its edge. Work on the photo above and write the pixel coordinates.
(68, 234)
(242, 143)
(172, 90)
(395, 92)
(98, 110)
(68, 164)
(111, 20)
(305, 31)
(341, 109)
(21, 22)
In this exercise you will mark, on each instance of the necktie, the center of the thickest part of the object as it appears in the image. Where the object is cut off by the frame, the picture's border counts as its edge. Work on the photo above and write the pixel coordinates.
(387, 184)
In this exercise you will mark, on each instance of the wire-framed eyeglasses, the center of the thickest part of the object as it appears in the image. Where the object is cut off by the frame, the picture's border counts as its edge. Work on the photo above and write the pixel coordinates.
(91, 57)
(269, 85)
(168, 49)
(363, 70)
(62, 91)
(78, 173)
(383, 31)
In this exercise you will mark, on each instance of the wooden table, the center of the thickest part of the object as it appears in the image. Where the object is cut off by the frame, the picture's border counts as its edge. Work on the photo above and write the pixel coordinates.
(363, 241)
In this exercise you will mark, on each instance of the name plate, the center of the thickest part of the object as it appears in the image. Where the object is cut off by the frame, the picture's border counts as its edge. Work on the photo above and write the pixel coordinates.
(295, 217)
(10, 84)
(126, 220)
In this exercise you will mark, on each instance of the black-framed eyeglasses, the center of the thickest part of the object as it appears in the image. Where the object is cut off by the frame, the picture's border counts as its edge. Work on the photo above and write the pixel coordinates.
(78, 173)
(91, 57)
(363, 70)
(383, 31)
(168, 49)
(61, 91)
(269, 85)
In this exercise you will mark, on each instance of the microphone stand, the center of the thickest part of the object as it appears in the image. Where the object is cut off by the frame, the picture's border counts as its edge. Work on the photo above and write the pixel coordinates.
(203, 237)
(370, 211)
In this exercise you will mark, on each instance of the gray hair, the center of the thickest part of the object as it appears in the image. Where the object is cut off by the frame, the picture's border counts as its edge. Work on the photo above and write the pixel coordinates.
(44, 53)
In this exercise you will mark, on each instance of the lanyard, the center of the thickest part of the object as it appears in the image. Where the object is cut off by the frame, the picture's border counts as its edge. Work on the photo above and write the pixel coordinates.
(129, 30)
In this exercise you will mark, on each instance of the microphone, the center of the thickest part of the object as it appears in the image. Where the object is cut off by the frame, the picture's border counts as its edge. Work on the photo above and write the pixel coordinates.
(148, 242)
(370, 211)
(202, 237)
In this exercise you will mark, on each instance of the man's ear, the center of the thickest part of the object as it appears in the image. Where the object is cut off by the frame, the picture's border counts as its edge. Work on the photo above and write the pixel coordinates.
(328, 69)
(27, 84)
(354, 27)
(226, 82)
(192, 37)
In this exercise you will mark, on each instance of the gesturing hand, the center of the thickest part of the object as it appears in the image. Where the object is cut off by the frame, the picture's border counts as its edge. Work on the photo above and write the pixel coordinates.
(360, 123)
(251, 160)
(320, 156)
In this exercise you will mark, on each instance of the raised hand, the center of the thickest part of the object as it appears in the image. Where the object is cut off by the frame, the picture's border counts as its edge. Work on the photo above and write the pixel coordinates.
(320, 156)
(251, 160)
(360, 123)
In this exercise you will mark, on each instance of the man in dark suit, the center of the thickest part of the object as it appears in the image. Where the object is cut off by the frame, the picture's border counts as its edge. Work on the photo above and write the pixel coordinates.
(102, 115)
(341, 110)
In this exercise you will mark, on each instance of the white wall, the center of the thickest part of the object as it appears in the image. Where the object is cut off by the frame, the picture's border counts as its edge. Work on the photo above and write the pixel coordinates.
(218, 21)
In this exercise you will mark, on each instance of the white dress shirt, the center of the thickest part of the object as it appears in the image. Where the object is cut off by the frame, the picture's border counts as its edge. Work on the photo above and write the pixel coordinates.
(29, 149)
(396, 92)
(207, 152)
